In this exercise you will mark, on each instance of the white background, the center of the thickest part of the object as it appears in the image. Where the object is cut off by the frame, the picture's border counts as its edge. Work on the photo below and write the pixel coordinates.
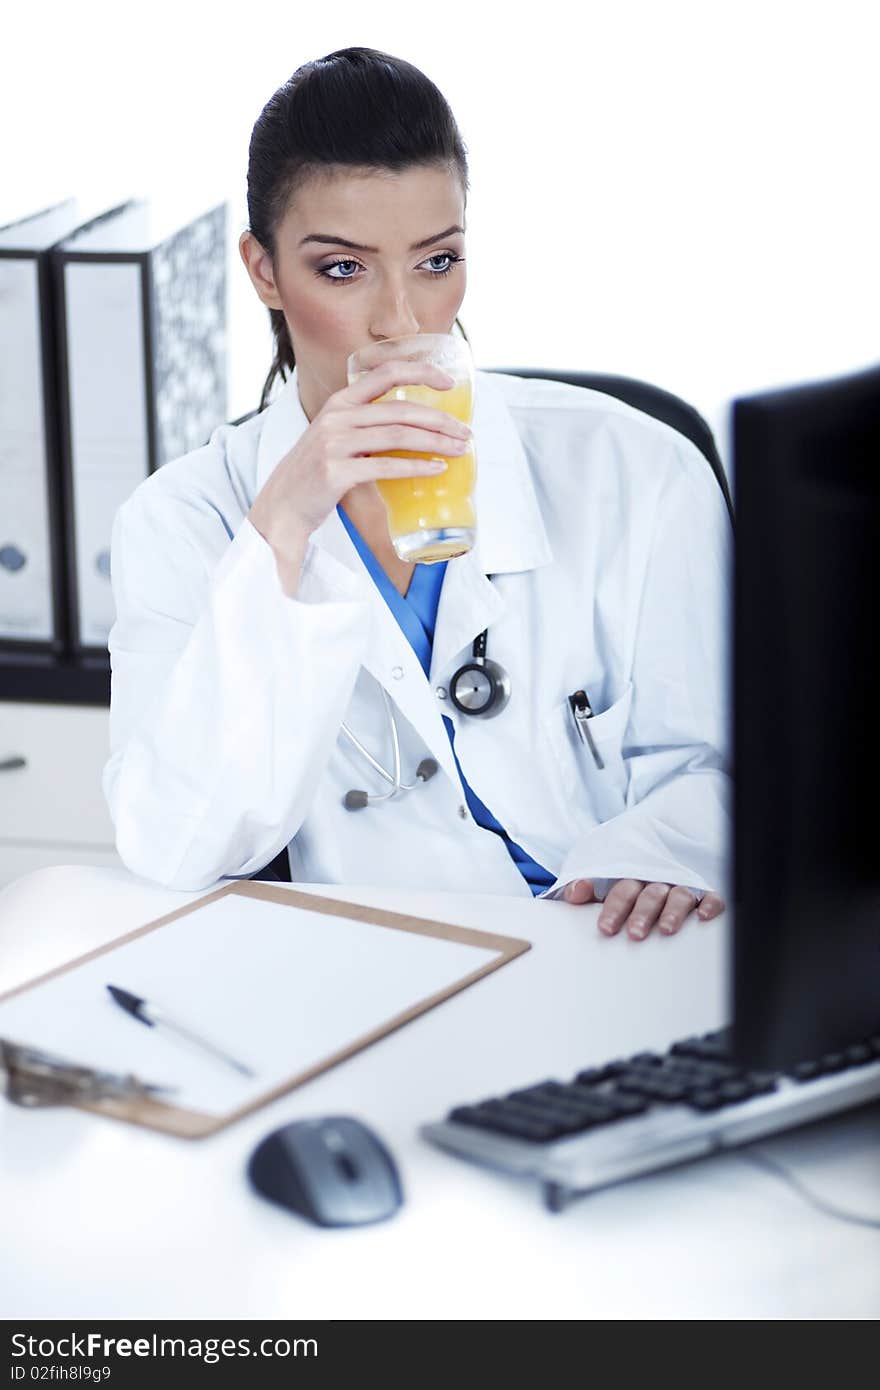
(685, 192)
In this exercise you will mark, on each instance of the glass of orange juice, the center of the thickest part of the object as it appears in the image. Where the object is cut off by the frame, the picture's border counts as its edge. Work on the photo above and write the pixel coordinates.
(429, 518)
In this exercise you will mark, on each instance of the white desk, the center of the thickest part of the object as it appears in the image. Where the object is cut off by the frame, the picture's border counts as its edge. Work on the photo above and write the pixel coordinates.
(102, 1219)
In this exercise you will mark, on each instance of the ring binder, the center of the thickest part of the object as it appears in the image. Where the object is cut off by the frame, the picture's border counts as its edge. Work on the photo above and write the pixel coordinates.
(32, 614)
(141, 294)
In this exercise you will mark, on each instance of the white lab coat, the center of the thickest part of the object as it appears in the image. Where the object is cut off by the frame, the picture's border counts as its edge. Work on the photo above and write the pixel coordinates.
(608, 544)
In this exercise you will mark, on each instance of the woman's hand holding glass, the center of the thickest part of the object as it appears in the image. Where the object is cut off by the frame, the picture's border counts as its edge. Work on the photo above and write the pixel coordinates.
(638, 906)
(429, 520)
(343, 446)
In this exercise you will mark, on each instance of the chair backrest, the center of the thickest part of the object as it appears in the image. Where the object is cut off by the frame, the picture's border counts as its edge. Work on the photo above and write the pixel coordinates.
(653, 400)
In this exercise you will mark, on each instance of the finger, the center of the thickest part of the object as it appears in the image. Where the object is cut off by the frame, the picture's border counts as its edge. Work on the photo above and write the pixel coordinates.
(618, 904)
(409, 413)
(711, 906)
(580, 891)
(382, 439)
(679, 903)
(378, 380)
(646, 909)
(377, 466)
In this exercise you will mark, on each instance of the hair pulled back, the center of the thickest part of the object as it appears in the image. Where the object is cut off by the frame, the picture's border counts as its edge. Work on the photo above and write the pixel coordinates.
(357, 107)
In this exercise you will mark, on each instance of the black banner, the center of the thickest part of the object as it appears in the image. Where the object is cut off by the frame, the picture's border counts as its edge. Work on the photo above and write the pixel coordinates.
(123, 1353)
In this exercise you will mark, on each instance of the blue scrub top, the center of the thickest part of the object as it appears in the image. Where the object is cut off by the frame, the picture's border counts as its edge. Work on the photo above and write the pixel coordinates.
(417, 615)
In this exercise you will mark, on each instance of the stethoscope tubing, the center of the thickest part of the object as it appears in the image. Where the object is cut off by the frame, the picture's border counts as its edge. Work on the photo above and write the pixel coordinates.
(395, 780)
(498, 696)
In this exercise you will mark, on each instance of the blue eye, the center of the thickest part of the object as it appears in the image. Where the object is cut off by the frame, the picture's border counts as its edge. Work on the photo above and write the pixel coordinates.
(325, 271)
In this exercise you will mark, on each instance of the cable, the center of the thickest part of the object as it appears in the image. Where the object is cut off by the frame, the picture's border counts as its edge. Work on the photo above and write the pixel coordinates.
(762, 1160)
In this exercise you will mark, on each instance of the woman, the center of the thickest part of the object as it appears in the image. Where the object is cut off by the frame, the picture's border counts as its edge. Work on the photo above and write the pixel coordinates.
(260, 603)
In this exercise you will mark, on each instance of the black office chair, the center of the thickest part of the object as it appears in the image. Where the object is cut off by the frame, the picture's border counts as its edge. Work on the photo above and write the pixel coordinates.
(653, 400)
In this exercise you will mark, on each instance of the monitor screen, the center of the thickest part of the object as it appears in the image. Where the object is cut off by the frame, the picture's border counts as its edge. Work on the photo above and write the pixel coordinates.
(806, 852)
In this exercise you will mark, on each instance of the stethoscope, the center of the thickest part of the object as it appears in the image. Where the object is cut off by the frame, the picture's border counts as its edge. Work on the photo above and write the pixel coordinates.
(480, 687)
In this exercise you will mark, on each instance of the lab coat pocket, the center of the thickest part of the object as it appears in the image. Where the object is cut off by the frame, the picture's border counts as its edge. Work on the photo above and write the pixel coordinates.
(595, 793)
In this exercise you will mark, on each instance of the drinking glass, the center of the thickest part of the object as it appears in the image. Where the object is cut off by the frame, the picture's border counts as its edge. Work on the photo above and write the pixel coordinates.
(429, 518)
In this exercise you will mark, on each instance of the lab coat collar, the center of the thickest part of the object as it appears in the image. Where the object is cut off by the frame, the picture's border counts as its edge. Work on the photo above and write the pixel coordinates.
(510, 530)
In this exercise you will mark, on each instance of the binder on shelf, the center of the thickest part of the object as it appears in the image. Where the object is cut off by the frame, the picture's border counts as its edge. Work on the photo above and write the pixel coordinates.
(32, 610)
(141, 295)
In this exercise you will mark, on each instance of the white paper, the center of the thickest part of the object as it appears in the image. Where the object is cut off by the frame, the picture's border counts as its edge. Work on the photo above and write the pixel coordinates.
(277, 987)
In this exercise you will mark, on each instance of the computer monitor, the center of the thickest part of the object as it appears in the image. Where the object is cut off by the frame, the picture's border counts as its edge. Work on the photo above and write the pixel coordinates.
(806, 720)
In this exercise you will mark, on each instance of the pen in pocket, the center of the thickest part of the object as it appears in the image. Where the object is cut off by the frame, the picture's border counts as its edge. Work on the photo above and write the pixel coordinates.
(582, 712)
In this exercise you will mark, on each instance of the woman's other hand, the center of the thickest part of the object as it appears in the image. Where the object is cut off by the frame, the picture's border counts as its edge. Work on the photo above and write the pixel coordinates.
(639, 906)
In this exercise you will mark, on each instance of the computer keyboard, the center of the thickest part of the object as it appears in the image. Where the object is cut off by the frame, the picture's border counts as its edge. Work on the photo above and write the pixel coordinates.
(637, 1114)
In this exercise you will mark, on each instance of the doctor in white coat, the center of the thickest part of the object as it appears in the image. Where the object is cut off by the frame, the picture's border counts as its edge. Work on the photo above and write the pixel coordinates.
(261, 606)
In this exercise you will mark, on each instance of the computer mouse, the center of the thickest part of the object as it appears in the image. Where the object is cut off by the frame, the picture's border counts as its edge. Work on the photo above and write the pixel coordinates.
(334, 1171)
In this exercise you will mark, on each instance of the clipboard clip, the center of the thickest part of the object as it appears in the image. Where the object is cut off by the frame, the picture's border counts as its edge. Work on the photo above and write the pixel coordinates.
(32, 1078)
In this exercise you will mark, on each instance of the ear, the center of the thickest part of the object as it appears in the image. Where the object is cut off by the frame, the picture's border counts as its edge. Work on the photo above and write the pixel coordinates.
(258, 263)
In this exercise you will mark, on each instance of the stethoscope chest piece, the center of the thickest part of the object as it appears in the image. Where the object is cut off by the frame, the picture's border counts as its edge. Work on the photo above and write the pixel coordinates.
(481, 687)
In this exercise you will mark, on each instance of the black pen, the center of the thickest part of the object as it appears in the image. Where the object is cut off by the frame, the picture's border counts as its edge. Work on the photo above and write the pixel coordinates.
(154, 1017)
(580, 708)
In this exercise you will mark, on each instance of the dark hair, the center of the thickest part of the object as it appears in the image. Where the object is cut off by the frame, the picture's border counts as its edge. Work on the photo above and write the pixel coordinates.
(356, 107)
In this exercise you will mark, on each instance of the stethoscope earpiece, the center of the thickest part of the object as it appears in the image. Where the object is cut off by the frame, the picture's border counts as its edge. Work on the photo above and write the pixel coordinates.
(355, 801)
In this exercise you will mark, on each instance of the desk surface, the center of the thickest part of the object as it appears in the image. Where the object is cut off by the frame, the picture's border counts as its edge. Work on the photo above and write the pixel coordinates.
(101, 1219)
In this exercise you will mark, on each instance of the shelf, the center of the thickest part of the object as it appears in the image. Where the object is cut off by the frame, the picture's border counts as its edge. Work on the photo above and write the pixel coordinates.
(26, 676)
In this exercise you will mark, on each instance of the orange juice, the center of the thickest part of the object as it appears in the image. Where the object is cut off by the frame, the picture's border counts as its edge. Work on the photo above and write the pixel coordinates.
(435, 503)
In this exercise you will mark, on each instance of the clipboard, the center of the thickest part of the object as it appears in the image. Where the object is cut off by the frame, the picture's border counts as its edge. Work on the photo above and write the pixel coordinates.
(372, 972)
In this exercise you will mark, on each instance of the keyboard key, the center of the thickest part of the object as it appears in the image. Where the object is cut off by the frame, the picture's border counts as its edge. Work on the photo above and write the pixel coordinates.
(710, 1049)
(562, 1121)
(832, 1062)
(602, 1108)
(715, 1071)
(731, 1091)
(705, 1100)
(626, 1105)
(612, 1069)
(552, 1095)
(591, 1077)
(703, 1049)
(859, 1054)
(558, 1114)
(643, 1084)
(568, 1115)
(521, 1127)
(805, 1071)
(762, 1082)
(542, 1090)
(575, 1106)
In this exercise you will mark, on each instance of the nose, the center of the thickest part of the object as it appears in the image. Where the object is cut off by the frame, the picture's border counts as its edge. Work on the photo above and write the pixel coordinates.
(393, 317)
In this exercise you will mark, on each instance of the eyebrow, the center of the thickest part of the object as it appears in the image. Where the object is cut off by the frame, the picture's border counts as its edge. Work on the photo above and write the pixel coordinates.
(353, 245)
